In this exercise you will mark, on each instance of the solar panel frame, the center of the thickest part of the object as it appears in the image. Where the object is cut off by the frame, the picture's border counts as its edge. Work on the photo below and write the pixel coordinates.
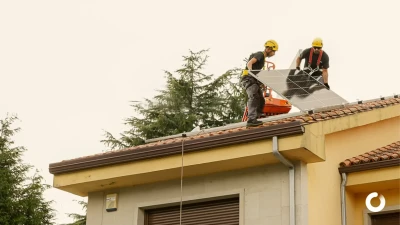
(301, 90)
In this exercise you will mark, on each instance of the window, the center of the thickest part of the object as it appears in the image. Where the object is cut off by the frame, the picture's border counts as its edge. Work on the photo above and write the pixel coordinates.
(218, 212)
(386, 219)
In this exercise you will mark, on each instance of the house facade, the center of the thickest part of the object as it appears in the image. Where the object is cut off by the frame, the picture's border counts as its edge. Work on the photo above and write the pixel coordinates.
(299, 168)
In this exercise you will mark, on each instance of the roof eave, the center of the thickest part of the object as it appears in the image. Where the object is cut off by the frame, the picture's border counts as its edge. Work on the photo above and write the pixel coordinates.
(370, 166)
(245, 135)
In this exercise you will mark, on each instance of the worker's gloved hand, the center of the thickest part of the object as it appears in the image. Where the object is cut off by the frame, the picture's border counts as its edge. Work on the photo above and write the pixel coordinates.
(327, 86)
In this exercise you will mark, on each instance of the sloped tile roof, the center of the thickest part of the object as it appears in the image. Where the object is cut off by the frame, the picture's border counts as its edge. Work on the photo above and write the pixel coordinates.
(304, 119)
(388, 152)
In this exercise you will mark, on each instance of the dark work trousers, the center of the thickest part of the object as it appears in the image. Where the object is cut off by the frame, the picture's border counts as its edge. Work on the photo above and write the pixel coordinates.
(256, 99)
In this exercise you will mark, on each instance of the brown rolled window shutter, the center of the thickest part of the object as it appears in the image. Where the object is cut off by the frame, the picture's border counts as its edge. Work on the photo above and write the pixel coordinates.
(219, 212)
(386, 219)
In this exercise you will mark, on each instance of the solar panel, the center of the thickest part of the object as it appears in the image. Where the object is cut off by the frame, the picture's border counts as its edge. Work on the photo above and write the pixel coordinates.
(301, 90)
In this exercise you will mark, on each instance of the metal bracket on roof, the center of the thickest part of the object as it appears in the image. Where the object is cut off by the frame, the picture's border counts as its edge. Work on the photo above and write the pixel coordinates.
(327, 108)
(377, 99)
(348, 104)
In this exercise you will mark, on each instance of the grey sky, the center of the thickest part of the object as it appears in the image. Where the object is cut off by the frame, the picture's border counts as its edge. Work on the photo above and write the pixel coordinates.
(70, 68)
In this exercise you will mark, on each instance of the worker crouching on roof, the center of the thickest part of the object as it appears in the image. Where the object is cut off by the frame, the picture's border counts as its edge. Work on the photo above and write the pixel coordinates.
(254, 92)
(316, 61)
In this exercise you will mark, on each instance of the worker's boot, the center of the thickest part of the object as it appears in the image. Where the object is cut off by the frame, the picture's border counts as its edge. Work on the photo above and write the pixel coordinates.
(253, 123)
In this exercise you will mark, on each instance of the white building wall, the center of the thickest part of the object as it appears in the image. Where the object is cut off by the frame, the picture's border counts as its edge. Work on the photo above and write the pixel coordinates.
(263, 191)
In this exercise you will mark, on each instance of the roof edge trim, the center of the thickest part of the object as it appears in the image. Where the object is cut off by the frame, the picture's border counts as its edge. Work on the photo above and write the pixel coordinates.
(370, 166)
(111, 158)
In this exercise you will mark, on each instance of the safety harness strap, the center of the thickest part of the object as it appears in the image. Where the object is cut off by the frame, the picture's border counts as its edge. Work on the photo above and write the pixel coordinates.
(310, 57)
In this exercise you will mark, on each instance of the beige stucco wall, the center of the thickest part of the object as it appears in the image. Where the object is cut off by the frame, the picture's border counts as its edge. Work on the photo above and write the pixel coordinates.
(264, 196)
(392, 200)
(324, 179)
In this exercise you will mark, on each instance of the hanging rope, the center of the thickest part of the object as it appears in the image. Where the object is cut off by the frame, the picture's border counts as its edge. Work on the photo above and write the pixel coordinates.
(180, 211)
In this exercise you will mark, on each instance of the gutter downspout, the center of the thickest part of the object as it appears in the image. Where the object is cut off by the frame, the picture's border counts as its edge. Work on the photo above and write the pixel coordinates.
(343, 197)
(287, 163)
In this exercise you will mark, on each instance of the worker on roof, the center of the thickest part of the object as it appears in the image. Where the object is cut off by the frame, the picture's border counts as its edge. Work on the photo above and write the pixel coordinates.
(316, 61)
(254, 92)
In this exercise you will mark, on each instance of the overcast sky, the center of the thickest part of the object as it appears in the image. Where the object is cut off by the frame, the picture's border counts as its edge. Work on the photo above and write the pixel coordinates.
(68, 69)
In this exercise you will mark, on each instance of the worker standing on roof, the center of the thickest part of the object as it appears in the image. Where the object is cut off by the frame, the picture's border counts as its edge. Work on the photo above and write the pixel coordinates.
(254, 92)
(316, 61)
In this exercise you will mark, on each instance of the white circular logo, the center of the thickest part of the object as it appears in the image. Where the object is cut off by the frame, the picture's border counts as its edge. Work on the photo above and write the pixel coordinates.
(372, 208)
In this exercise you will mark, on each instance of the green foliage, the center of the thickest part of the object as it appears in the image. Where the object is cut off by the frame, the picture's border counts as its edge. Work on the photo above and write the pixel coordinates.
(21, 196)
(191, 99)
(78, 219)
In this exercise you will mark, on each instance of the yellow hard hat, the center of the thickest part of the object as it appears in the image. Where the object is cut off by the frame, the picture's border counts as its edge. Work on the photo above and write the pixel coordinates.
(317, 42)
(273, 44)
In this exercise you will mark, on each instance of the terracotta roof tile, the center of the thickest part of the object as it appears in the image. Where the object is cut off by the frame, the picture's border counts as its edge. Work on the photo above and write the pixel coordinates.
(391, 151)
(304, 119)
